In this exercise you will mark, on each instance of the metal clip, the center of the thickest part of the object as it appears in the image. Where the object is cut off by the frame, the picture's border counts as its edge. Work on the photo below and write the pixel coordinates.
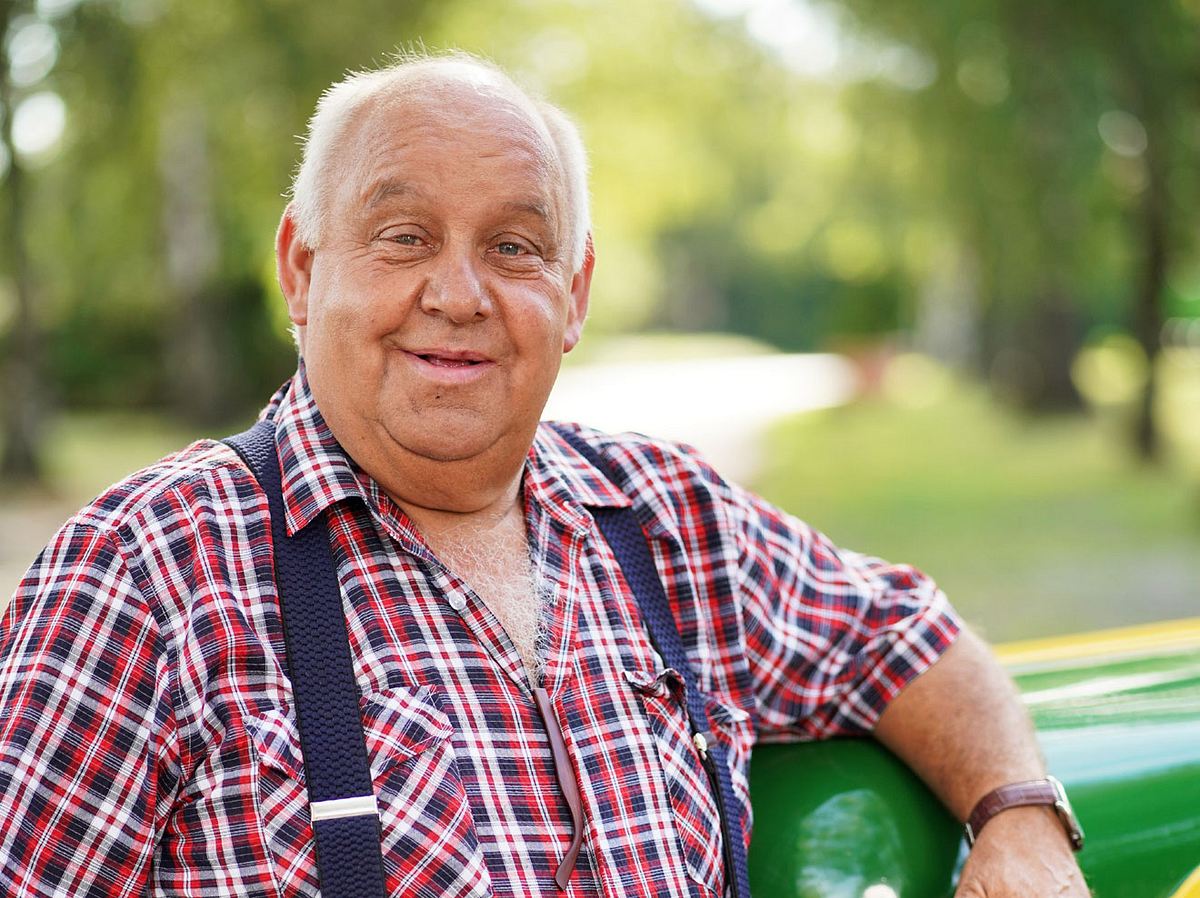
(336, 808)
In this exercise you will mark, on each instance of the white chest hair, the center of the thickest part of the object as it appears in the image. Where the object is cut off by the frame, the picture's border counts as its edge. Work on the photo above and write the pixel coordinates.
(495, 562)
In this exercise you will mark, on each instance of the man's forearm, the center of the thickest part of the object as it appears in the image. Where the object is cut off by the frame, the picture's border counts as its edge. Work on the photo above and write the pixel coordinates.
(963, 729)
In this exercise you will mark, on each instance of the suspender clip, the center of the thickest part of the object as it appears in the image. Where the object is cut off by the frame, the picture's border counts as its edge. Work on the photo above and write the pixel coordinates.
(335, 808)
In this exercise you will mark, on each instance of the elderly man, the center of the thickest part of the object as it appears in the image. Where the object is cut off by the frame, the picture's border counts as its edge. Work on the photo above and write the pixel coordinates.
(524, 695)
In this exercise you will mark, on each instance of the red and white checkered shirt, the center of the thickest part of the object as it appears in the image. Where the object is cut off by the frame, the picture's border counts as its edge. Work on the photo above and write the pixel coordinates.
(147, 739)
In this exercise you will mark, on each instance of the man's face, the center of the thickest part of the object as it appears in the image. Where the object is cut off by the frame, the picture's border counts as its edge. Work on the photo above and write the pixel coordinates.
(436, 310)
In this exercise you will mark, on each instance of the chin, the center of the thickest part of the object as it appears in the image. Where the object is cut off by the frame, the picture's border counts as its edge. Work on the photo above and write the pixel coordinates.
(446, 438)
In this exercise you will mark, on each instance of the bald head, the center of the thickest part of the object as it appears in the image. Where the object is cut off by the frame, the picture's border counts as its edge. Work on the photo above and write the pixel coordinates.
(421, 91)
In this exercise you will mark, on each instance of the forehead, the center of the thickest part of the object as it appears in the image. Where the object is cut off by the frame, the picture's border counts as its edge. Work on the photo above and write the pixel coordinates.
(462, 141)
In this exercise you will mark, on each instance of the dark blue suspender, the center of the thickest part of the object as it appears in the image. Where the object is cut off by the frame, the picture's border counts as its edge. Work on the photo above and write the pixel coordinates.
(345, 819)
(628, 542)
(341, 796)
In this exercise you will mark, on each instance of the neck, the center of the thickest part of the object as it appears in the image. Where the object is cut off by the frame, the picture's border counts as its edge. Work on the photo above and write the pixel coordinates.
(435, 509)
(440, 493)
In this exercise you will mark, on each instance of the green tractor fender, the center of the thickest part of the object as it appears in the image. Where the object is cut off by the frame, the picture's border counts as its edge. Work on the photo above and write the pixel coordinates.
(1118, 718)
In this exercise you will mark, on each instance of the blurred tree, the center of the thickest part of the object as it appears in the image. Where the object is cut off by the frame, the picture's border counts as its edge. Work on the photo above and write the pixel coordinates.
(176, 158)
(997, 176)
(180, 120)
(1054, 135)
(1154, 56)
(20, 458)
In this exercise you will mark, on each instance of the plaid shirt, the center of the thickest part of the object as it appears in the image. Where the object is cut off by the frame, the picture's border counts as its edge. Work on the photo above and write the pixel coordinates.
(147, 738)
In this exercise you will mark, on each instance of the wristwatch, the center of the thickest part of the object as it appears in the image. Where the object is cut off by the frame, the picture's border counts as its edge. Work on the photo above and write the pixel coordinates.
(1048, 791)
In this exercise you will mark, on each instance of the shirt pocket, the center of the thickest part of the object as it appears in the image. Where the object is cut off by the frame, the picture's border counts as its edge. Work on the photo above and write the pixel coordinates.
(689, 789)
(283, 802)
(430, 847)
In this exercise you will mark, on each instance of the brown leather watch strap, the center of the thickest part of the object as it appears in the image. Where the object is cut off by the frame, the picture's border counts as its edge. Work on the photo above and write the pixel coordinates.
(1047, 791)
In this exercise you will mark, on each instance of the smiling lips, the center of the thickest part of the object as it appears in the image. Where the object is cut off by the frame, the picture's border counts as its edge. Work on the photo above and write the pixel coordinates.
(444, 362)
(449, 362)
(449, 357)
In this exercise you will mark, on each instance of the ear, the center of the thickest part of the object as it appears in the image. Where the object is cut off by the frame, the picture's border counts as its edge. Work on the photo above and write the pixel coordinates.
(293, 267)
(581, 288)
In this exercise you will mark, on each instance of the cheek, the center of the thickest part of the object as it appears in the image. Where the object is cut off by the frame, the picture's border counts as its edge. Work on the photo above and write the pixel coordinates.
(543, 315)
(350, 297)
(352, 312)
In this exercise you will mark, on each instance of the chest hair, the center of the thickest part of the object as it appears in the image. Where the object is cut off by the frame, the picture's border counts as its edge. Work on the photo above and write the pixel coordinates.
(495, 562)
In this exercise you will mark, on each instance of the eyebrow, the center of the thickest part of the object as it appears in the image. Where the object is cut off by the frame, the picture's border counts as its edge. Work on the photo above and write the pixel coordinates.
(388, 189)
(530, 208)
(391, 188)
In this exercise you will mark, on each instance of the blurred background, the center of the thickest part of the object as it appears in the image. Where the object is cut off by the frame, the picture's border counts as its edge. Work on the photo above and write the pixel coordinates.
(925, 273)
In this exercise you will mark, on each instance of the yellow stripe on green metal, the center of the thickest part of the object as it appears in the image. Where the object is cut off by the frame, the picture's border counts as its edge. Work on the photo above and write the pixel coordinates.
(1190, 887)
(1165, 637)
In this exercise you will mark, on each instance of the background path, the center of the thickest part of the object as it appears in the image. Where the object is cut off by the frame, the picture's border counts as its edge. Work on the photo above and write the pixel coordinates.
(721, 406)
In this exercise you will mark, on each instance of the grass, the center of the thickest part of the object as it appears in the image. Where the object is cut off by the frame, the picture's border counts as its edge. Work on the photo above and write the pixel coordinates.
(1033, 527)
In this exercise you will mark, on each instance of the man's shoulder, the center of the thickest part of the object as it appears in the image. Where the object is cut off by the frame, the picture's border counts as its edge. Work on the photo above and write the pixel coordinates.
(204, 474)
(641, 466)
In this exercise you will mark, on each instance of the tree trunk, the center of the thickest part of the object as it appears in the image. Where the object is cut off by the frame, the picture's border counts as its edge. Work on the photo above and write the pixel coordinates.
(1033, 368)
(199, 373)
(1151, 281)
(20, 459)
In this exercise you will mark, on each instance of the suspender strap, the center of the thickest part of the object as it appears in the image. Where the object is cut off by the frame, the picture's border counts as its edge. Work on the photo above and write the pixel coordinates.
(628, 542)
(345, 818)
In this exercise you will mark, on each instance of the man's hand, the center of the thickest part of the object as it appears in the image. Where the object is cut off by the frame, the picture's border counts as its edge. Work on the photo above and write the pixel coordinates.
(963, 729)
(1022, 852)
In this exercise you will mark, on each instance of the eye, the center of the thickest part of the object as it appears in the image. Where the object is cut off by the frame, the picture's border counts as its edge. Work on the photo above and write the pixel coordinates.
(406, 234)
(515, 253)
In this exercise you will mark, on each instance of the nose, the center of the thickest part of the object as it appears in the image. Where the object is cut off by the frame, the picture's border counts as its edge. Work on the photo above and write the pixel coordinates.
(455, 288)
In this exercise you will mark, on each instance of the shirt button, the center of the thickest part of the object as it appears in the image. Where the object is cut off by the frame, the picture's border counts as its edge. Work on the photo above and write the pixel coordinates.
(457, 602)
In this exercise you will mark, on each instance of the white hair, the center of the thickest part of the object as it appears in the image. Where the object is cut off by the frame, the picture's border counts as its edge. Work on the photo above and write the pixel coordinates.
(313, 186)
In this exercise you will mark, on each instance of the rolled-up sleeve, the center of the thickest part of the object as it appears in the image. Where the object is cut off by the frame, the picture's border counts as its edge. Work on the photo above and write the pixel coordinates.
(831, 635)
(86, 724)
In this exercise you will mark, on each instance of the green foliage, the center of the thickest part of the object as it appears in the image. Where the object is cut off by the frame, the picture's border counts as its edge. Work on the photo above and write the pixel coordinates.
(1030, 528)
(1060, 145)
(985, 154)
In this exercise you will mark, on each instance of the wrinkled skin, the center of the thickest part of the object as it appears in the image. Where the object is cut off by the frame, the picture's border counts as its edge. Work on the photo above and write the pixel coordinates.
(434, 314)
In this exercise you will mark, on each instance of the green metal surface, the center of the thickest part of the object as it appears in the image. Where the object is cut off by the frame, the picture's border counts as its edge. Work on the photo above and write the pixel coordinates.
(1125, 738)
(834, 819)
(845, 819)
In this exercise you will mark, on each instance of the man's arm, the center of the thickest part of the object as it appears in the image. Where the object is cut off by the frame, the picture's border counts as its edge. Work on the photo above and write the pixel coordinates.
(84, 710)
(961, 727)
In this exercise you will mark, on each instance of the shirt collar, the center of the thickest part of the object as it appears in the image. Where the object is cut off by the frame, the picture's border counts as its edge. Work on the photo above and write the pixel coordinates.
(570, 481)
(556, 470)
(317, 472)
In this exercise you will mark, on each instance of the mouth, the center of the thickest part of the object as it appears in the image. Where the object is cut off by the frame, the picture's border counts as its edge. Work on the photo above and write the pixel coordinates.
(445, 358)
(450, 368)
